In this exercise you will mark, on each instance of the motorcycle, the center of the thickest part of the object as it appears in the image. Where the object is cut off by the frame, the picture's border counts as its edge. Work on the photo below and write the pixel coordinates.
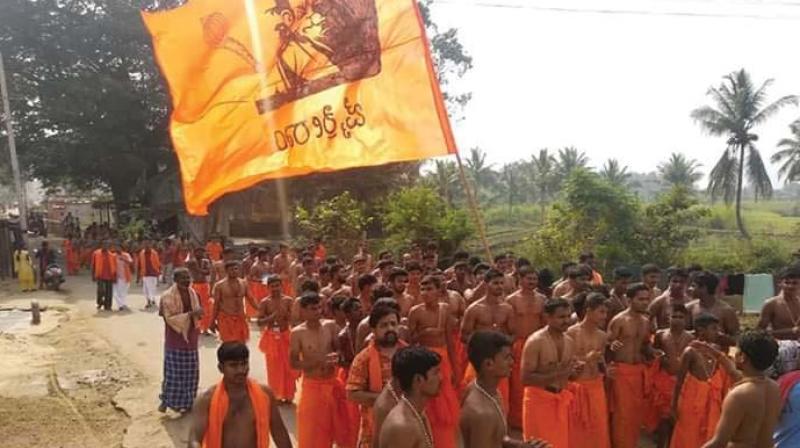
(53, 277)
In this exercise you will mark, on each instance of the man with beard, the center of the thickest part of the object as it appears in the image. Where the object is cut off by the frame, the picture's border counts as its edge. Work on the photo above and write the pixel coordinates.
(528, 306)
(781, 314)
(429, 325)
(274, 312)
(397, 281)
(418, 373)
(371, 368)
(489, 313)
(483, 423)
(631, 352)
(548, 362)
(661, 307)
(237, 411)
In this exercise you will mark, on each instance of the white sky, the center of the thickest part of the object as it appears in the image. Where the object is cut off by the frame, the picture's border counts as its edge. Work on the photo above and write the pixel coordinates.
(615, 84)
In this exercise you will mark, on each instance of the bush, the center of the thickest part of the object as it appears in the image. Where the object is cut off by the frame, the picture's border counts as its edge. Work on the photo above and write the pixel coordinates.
(419, 214)
(731, 254)
(341, 220)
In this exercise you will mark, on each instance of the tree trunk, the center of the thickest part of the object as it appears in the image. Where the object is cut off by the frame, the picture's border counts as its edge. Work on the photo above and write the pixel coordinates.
(739, 182)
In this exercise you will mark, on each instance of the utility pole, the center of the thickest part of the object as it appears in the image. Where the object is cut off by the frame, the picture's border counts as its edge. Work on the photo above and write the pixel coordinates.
(12, 149)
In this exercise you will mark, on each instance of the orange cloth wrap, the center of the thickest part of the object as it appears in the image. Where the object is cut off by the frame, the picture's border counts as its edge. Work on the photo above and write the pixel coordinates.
(444, 409)
(320, 409)
(699, 409)
(351, 419)
(628, 404)
(203, 291)
(502, 387)
(257, 291)
(218, 410)
(545, 415)
(588, 416)
(460, 353)
(232, 328)
(660, 400)
(515, 388)
(275, 346)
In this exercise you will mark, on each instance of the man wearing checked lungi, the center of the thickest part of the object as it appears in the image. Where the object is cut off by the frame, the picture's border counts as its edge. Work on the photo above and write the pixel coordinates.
(180, 307)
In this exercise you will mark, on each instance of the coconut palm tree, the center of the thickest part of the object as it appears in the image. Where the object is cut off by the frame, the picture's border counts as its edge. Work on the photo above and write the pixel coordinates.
(570, 159)
(480, 171)
(789, 155)
(614, 173)
(444, 178)
(543, 175)
(738, 108)
(680, 171)
(509, 185)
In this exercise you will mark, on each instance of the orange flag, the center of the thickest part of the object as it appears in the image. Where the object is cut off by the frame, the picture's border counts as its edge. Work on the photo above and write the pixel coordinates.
(263, 89)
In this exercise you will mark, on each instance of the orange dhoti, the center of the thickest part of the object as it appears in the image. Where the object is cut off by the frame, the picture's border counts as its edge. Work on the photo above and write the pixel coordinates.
(444, 409)
(203, 291)
(319, 413)
(73, 261)
(699, 409)
(545, 415)
(628, 404)
(502, 386)
(515, 388)
(257, 291)
(660, 401)
(588, 417)
(351, 420)
(460, 353)
(232, 327)
(281, 379)
(288, 287)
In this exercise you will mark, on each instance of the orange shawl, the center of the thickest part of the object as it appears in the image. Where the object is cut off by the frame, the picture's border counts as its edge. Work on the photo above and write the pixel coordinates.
(219, 410)
(375, 372)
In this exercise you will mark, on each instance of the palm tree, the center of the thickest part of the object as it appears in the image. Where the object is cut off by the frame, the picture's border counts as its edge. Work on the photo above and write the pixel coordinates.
(570, 159)
(739, 107)
(680, 171)
(509, 185)
(445, 179)
(789, 155)
(614, 173)
(543, 175)
(481, 172)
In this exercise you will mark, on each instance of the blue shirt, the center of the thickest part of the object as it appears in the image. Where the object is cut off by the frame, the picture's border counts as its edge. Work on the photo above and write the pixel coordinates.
(787, 433)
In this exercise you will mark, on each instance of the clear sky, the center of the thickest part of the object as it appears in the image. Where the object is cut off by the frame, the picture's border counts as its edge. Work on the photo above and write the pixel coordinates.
(620, 83)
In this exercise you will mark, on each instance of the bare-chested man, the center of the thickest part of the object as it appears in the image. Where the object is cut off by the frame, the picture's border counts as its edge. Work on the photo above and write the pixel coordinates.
(661, 307)
(491, 312)
(383, 270)
(397, 281)
(417, 372)
(460, 281)
(631, 350)
(359, 268)
(483, 423)
(314, 351)
(701, 385)
(251, 415)
(414, 270)
(273, 317)
(651, 275)
(589, 426)
(219, 265)
(260, 267)
(780, 315)
(479, 289)
(617, 300)
(229, 296)
(703, 287)
(429, 325)
(309, 273)
(280, 267)
(751, 409)
(528, 306)
(579, 278)
(672, 341)
(338, 286)
(548, 362)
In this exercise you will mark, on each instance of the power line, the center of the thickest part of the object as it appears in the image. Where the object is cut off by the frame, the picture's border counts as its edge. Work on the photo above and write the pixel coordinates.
(639, 12)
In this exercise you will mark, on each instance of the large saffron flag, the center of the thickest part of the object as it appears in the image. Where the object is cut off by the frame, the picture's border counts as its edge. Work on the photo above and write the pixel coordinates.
(263, 89)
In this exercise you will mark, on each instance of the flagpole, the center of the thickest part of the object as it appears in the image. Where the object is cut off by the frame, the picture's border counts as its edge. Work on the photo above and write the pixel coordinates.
(473, 205)
(12, 149)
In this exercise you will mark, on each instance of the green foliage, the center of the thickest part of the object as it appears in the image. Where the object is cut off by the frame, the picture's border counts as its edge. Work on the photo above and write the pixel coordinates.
(133, 230)
(341, 220)
(666, 226)
(592, 215)
(726, 254)
(679, 170)
(419, 214)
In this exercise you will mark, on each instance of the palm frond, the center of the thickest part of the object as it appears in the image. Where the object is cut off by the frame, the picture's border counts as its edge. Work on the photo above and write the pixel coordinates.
(775, 107)
(722, 178)
(713, 121)
(757, 174)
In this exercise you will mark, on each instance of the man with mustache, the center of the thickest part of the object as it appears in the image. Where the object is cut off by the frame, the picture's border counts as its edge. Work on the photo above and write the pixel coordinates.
(372, 367)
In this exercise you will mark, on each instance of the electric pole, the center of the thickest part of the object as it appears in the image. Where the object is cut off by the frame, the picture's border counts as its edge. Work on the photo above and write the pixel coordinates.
(12, 149)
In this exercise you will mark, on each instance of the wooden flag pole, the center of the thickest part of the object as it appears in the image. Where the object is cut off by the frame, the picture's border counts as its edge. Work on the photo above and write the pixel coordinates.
(473, 205)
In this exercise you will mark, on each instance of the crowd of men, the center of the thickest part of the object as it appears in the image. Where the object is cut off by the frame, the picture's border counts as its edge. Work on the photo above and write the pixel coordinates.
(402, 354)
